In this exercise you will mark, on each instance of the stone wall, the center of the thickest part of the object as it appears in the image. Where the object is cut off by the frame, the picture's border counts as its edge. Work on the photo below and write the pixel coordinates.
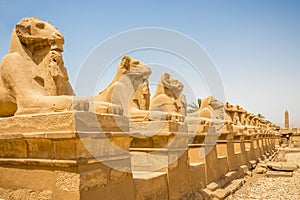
(213, 156)
(61, 161)
(179, 160)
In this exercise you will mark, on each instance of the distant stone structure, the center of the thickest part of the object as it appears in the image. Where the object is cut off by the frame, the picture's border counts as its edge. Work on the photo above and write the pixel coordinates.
(118, 144)
(289, 136)
(295, 139)
(286, 120)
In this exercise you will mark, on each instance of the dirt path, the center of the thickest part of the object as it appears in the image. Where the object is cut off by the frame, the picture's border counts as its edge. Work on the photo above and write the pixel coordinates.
(261, 187)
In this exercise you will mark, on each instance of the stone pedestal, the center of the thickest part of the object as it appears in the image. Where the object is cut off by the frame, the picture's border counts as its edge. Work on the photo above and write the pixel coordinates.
(276, 139)
(211, 146)
(162, 147)
(272, 142)
(260, 141)
(253, 145)
(245, 158)
(196, 152)
(215, 166)
(65, 156)
(296, 139)
(230, 152)
(256, 144)
(234, 148)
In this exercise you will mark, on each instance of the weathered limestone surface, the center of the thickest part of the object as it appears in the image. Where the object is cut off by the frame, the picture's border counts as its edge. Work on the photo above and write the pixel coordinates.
(279, 174)
(163, 152)
(161, 145)
(151, 185)
(283, 166)
(25, 194)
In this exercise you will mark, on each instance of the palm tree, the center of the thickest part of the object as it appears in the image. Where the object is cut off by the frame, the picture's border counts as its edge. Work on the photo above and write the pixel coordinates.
(193, 107)
(260, 116)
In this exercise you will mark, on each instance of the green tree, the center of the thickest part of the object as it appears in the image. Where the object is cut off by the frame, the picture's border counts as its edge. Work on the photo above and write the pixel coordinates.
(260, 116)
(193, 107)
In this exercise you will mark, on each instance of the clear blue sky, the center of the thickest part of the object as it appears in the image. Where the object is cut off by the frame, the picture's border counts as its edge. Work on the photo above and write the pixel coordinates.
(255, 44)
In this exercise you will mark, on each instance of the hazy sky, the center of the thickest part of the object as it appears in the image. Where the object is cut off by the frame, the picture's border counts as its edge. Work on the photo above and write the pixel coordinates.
(255, 45)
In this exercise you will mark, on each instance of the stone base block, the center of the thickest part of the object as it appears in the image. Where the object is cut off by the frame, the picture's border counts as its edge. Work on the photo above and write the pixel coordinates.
(151, 185)
(79, 155)
(92, 181)
(273, 174)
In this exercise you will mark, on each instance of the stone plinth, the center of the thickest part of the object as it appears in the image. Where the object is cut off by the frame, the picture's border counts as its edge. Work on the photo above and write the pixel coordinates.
(162, 148)
(65, 156)
(215, 156)
(204, 147)
(151, 185)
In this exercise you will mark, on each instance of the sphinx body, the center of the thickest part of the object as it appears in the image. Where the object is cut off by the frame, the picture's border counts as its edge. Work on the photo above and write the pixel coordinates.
(128, 93)
(33, 78)
(210, 109)
(232, 114)
(168, 98)
(242, 115)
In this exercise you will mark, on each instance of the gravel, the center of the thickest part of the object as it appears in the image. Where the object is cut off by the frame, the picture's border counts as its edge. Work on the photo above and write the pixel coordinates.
(261, 187)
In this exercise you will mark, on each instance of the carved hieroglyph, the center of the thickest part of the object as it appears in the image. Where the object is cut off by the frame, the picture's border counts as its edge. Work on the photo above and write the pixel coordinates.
(168, 97)
(33, 78)
(128, 93)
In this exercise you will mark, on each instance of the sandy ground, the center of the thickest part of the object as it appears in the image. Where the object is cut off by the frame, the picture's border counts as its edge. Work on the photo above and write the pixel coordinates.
(261, 187)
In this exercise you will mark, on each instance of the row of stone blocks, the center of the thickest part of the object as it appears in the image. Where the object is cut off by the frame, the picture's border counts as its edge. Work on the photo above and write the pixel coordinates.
(206, 156)
(81, 155)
